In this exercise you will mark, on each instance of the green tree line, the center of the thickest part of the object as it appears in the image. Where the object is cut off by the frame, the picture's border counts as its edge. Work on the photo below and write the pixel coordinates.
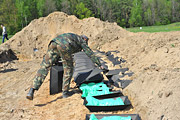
(16, 14)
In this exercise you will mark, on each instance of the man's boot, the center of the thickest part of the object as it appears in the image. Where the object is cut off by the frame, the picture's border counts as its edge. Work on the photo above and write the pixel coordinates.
(66, 94)
(30, 94)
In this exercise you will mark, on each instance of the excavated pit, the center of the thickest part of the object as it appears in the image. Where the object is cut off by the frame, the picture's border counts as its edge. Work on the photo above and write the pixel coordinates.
(152, 57)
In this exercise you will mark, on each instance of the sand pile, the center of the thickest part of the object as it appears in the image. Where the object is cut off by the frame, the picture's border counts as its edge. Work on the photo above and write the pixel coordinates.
(154, 59)
(33, 40)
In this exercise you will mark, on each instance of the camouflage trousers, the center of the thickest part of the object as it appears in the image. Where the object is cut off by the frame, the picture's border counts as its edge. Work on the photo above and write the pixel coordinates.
(54, 54)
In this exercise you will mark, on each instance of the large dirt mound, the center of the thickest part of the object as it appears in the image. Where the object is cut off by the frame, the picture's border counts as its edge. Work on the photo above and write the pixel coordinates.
(36, 36)
(154, 59)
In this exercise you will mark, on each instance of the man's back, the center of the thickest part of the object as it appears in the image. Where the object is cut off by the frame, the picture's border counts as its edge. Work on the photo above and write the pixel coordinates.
(74, 41)
(4, 30)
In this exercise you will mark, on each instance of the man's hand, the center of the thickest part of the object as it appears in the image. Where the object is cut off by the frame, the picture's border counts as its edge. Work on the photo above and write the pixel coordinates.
(102, 67)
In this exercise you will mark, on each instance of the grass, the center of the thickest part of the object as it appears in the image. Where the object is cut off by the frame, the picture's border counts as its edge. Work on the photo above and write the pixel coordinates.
(162, 28)
(9, 36)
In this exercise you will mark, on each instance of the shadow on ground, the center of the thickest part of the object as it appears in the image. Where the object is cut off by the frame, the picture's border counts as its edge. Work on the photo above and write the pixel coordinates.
(8, 70)
(60, 97)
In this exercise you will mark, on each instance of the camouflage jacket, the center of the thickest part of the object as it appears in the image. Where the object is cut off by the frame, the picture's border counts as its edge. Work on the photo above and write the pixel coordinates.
(76, 44)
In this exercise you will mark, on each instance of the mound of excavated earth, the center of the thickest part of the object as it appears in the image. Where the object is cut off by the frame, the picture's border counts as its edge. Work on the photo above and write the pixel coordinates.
(154, 58)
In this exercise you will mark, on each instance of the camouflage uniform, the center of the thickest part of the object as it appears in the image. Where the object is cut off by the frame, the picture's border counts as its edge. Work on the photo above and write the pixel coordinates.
(63, 46)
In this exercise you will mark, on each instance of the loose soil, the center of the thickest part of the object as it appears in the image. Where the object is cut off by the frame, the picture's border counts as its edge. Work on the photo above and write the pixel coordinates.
(152, 57)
